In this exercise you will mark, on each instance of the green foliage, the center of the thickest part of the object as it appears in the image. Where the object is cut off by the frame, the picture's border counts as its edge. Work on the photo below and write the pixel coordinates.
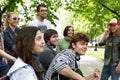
(87, 16)
(95, 13)
(28, 8)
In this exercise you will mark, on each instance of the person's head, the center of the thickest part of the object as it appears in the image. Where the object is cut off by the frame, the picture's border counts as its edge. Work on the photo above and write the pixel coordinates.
(114, 24)
(12, 19)
(42, 11)
(79, 43)
(28, 42)
(68, 31)
(51, 37)
(117, 33)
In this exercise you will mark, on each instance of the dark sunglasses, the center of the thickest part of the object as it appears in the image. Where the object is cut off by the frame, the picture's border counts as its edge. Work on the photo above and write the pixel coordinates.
(15, 18)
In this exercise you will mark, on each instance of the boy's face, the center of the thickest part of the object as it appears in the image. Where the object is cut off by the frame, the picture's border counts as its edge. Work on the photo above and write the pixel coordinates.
(53, 40)
(80, 47)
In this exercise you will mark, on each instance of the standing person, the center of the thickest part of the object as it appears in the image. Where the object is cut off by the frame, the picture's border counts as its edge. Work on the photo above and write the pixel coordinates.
(41, 20)
(51, 40)
(64, 64)
(28, 45)
(64, 42)
(9, 35)
(111, 41)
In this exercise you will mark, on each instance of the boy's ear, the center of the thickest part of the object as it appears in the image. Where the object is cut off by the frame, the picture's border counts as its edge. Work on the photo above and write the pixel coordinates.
(73, 45)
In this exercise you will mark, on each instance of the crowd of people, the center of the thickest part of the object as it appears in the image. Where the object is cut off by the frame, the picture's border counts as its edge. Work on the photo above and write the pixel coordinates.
(36, 53)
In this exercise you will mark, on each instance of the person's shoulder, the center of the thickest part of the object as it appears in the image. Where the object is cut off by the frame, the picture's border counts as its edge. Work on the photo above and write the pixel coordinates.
(6, 30)
(33, 23)
(47, 50)
(62, 40)
(47, 21)
(18, 64)
(20, 73)
(68, 52)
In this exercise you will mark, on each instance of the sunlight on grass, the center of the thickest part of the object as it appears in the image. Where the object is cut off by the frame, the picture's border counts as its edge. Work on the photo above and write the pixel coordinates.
(99, 54)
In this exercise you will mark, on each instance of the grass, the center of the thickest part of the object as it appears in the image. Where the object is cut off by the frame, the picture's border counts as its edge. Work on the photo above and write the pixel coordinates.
(99, 54)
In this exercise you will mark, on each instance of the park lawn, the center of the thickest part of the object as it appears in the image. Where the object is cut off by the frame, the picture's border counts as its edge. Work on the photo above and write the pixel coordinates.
(99, 54)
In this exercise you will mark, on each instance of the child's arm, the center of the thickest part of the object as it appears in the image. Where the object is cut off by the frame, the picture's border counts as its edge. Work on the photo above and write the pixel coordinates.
(7, 56)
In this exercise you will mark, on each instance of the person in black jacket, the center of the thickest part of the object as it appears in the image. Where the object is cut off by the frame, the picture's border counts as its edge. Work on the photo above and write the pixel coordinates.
(51, 40)
(9, 35)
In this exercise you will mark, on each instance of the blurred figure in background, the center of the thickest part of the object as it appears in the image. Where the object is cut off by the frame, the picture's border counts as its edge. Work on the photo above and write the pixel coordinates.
(64, 42)
(41, 20)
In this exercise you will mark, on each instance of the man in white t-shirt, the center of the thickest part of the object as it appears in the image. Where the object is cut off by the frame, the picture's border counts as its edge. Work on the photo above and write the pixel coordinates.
(41, 20)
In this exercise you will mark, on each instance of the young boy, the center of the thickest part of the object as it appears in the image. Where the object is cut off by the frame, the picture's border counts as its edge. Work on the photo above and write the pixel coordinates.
(51, 40)
(64, 64)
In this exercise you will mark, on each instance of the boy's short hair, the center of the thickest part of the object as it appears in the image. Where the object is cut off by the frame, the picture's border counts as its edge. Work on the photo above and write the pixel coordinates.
(78, 37)
(48, 33)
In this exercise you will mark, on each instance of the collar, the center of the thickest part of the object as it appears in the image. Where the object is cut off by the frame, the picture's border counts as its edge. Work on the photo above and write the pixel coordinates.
(67, 38)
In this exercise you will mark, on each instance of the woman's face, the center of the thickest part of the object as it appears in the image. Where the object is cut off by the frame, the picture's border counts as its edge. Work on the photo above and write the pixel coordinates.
(70, 32)
(39, 43)
(13, 20)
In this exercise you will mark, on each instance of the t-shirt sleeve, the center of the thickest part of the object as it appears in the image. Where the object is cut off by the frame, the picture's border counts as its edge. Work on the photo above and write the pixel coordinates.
(61, 62)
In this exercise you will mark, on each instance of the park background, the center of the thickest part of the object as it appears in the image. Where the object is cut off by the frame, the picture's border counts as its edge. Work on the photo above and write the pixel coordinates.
(88, 16)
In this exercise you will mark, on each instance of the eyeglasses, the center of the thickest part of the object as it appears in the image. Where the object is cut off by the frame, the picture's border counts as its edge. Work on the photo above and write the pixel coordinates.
(15, 18)
(43, 11)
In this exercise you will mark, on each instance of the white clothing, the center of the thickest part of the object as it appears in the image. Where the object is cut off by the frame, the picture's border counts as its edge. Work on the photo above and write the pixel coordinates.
(21, 71)
(42, 25)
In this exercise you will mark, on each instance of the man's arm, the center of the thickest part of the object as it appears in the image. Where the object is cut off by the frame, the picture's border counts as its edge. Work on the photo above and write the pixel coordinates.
(68, 72)
(106, 33)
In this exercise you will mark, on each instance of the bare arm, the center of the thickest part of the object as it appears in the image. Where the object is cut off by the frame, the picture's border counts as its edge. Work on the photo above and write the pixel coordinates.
(67, 71)
(7, 56)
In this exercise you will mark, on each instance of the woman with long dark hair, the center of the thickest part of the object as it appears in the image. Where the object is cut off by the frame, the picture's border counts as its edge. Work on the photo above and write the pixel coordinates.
(28, 45)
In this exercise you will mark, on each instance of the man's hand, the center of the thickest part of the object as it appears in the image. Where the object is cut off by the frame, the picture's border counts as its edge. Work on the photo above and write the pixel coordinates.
(117, 70)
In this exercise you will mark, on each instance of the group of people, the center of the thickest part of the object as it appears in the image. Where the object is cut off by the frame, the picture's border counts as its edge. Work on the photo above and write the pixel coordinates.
(36, 53)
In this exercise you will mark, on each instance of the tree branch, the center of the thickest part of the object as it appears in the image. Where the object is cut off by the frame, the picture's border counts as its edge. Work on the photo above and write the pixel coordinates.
(110, 9)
